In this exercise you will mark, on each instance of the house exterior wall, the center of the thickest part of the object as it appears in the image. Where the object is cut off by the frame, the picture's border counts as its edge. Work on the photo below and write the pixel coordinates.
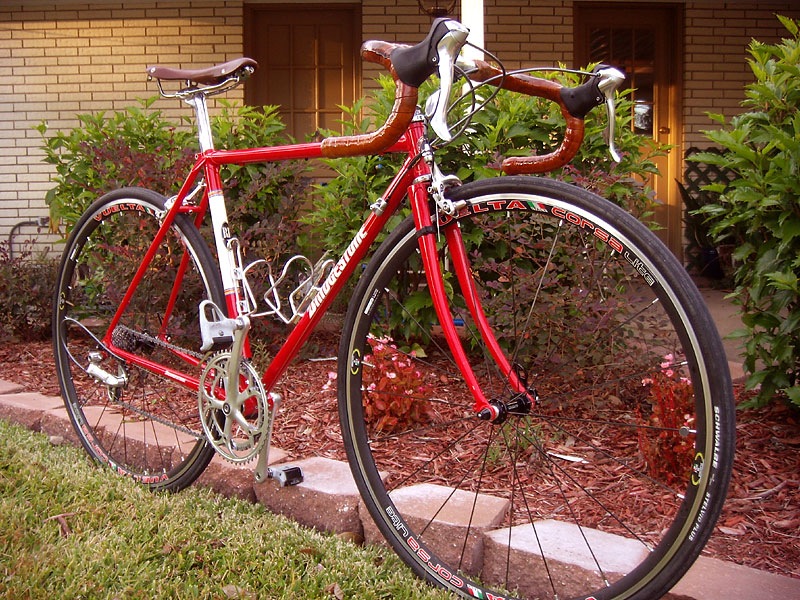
(59, 58)
(716, 69)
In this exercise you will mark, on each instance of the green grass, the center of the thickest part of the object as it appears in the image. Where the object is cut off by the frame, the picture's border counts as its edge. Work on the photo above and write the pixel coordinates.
(124, 542)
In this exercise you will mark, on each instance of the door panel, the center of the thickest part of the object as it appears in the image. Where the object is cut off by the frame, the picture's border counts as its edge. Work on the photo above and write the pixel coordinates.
(644, 41)
(308, 62)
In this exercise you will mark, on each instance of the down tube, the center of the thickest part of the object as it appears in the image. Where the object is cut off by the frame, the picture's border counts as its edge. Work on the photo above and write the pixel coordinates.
(341, 272)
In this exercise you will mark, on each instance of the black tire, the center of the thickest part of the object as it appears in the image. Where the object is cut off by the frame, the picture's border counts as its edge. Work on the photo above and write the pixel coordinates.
(589, 302)
(149, 428)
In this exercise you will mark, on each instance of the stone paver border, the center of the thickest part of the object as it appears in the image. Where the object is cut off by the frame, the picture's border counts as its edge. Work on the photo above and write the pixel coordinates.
(328, 501)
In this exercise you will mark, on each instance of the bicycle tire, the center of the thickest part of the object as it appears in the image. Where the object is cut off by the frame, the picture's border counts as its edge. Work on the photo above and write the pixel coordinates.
(149, 428)
(531, 508)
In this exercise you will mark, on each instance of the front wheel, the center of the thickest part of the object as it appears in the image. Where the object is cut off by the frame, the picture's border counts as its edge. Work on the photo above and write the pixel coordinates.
(605, 476)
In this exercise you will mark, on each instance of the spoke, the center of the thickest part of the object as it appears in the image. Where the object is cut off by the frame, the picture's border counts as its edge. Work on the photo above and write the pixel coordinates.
(535, 296)
(608, 511)
(490, 364)
(431, 427)
(598, 422)
(412, 397)
(531, 520)
(609, 383)
(475, 499)
(607, 455)
(432, 459)
(454, 489)
(541, 450)
(421, 328)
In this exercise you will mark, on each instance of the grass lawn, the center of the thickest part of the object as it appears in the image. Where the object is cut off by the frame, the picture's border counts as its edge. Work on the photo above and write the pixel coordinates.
(69, 529)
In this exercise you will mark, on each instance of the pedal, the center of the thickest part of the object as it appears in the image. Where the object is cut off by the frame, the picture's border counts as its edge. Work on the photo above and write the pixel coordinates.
(286, 475)
(216, 330)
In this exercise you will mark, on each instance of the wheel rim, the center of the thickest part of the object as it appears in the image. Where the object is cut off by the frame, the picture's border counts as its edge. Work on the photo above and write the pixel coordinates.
(552, 444)
(148, 428)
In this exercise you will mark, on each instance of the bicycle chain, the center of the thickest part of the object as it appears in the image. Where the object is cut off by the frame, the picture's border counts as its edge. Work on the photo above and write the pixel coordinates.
(123, 334)
(156, 418)
(122, 338)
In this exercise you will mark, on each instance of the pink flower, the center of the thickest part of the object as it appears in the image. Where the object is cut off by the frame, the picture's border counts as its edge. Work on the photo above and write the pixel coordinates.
(665, 365)
(331, 375)
(391, 374)
(669, 372)
(647, 381)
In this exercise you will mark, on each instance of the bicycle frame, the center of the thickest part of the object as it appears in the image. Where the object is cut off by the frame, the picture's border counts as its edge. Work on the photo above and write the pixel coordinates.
(412, 178)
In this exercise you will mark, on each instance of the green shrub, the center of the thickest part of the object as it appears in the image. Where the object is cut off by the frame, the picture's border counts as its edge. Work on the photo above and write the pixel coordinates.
(139, 147)
(27, 282)
(135, 147)
(760, 214)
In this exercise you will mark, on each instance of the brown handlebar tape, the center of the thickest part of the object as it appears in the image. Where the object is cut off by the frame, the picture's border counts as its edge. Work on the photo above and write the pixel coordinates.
(405, 105)
(543, 88)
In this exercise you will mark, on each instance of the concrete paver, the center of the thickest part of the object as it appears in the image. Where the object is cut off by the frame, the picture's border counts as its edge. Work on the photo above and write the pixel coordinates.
(326, 500)
(26, 408)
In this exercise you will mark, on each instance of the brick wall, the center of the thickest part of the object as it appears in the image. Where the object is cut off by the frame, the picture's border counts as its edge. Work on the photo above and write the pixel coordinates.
(527, 33)
(717, 37)
(60, 60)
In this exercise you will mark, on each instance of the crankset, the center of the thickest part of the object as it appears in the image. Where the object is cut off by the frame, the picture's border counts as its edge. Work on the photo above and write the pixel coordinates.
(236, 424)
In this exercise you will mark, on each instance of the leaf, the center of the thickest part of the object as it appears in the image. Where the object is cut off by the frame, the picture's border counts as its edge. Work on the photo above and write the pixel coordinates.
(794, 395)
(335, 590)
(731, 530)
(790, 24)
(234, 592)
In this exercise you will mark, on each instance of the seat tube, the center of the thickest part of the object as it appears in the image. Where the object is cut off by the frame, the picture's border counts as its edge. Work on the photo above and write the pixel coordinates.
(418, 193)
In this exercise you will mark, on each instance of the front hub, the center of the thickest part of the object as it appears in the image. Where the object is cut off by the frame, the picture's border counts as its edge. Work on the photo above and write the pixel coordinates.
(518, 405)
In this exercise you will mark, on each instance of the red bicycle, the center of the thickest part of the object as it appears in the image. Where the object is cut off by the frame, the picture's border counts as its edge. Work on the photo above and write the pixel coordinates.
(517, 354)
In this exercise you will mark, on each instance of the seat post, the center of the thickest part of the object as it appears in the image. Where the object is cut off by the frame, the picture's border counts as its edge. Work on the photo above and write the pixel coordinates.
(198, 103)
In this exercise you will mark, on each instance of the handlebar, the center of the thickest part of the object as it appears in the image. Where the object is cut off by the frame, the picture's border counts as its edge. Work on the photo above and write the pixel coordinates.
(575, 103)
(410, 66)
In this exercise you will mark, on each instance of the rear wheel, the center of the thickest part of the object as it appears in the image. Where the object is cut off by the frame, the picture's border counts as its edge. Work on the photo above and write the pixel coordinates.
(140, 424)
(605, 478)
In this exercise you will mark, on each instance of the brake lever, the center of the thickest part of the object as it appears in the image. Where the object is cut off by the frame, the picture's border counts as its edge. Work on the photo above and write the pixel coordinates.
(447, 52)
(609, 80)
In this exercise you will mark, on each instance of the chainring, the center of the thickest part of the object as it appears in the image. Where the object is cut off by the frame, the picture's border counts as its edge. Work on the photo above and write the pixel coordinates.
(239, 427)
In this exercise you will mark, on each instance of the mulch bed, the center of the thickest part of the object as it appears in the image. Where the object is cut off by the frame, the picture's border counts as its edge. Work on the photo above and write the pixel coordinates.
(759, 527)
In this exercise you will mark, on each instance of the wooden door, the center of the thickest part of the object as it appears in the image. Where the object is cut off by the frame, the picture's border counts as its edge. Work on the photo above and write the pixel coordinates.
(645, 42)
(308, 62)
